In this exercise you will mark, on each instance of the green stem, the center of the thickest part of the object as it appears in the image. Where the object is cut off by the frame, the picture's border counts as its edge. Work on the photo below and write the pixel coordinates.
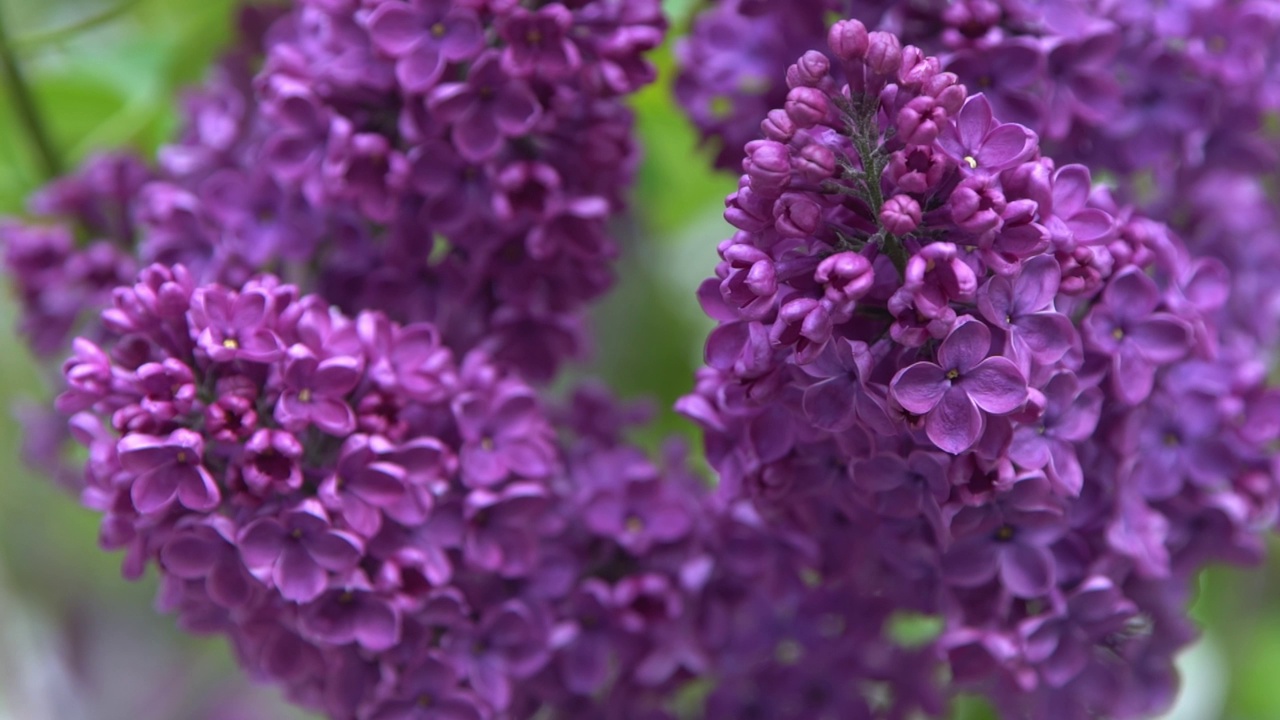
(24, 105)
(897, 254)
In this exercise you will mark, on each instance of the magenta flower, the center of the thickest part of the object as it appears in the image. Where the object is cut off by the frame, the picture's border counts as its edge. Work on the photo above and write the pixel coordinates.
(232, 326)
(352, 614)
(956, 394)
(424, 36)
(977, 141)
(165, 468)
(361, 485)
(486, 109)
(297, 552)
(315, 392)
(538, 42)
(1023, 308)
(1126, 327)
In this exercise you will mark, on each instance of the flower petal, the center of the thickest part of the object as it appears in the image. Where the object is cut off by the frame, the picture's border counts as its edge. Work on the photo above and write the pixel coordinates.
(995, 385)
(956, 423)
(965, 347)
(920, 387)
(1026, 570)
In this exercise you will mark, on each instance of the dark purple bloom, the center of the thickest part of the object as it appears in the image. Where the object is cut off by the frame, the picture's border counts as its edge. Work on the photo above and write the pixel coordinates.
(1070, 416)
(169, 467)
(1023, 307)
(638, 515)
(508, 643)
(503, 528)
(958, 392)
(272, 462)
(538, 42)
(1011, 544)
(1137, 339)
(315, 392)
(297, 552)
(976, 141)
(424, 36)
(1060, 646)
(503, 434)
(429, 688)
(350, 614)
(362, 485)
(206, 551)
(486, 109)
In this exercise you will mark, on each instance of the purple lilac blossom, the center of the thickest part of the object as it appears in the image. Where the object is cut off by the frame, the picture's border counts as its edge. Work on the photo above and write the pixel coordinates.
(984, 394)
(1173, 100)
(571, 575)
(447, 161)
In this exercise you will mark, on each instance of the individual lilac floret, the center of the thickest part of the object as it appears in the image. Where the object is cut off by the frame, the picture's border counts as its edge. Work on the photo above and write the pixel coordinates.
(1126, 327)
(298, 551)
(956, 394)
(166, 468)
(425, 36)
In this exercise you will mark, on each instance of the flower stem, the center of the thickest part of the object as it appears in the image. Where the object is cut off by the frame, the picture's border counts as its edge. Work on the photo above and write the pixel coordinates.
(24, 105)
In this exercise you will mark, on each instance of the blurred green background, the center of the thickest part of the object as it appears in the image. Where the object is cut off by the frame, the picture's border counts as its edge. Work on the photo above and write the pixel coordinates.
(77, 642)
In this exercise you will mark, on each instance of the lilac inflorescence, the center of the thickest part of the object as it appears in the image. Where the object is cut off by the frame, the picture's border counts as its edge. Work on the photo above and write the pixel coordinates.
(941, 350)
(379, 526)
(440, 160)
(1176, 102)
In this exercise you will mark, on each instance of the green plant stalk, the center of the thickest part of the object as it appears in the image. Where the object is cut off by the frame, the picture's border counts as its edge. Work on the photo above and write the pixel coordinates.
(24, 105)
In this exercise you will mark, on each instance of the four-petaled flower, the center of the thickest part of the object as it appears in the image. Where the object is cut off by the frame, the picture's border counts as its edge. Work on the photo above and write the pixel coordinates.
(956, 394)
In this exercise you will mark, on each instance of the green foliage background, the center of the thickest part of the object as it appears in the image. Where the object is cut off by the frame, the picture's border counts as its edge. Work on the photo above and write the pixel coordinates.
(108, 74)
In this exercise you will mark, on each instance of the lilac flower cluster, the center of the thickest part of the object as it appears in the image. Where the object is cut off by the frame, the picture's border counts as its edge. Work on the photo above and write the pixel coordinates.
(385, 531)
(941, 350)
(306, 482)
(1177, 101)
(452, 161)
(955, 384)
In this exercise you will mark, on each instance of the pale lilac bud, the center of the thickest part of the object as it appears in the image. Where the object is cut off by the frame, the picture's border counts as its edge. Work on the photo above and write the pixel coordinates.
(848, 40)
(816, 163)
(884, 53)
(900, 215)
(809, 71)
(847, 276)
(768, 165)
(807, 106)
(778, 126)
(797, 216)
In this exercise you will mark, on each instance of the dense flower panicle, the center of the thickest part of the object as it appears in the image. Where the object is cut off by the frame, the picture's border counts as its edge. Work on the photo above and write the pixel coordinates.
(1174, 101)
(263, 450)
(1010, 386)
(442, 161)
(380, 528)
